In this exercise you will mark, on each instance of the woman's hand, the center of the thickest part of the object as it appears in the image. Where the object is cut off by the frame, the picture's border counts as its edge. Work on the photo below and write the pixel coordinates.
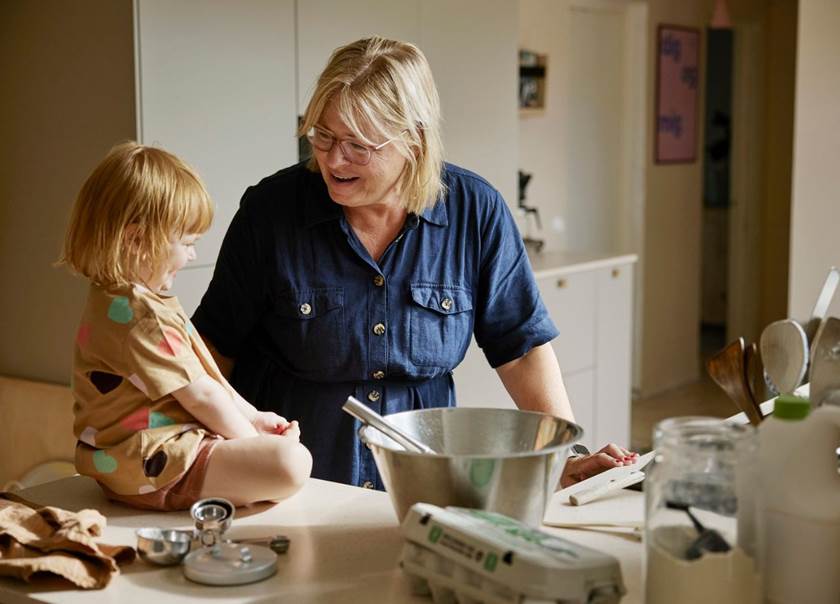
(584, 466)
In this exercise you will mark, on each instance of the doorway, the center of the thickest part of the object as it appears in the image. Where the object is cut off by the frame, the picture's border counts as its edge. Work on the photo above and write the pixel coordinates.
(717, 157)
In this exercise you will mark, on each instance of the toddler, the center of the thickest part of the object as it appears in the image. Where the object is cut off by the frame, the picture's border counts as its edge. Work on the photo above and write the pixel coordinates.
(158, 425)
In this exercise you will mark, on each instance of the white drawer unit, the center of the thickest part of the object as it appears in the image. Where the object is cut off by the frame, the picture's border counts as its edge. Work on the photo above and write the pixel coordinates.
(569, 298)
(590, 299)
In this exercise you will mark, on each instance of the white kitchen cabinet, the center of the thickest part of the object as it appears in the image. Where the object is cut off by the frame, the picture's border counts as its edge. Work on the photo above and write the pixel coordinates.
(590, 299)
(216, 86)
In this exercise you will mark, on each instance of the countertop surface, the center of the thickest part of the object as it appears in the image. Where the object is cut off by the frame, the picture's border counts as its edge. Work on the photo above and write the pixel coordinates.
(546, 264)
(345, 547)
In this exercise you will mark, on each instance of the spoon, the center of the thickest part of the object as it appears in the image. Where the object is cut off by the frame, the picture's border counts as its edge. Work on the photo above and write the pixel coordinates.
(784, 350)
(825, 364)
(726, 368)
(371, 418)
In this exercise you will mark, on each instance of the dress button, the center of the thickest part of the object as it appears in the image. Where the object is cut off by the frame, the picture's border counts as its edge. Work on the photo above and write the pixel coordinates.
(367, 484)
(446, 303)
(379, 280)
(378, 375)
(373, 396)
(379, 329)
(305, 309)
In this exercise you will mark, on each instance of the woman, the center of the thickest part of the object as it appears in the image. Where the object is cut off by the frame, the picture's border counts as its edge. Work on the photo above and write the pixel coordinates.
(366, 271)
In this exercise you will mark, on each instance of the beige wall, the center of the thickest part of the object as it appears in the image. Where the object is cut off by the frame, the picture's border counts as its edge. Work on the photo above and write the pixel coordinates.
(815, 212)
(68, 95)
(671, 249)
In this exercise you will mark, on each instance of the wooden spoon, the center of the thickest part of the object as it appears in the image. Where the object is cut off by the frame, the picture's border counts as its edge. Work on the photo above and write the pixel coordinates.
(726, 368)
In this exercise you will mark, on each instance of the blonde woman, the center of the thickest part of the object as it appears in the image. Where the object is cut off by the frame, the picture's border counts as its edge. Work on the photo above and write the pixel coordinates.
(367, 269)
(158, 426)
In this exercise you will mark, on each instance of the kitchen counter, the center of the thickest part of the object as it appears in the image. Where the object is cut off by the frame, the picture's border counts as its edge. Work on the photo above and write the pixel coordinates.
(551, 264)
(345, 546)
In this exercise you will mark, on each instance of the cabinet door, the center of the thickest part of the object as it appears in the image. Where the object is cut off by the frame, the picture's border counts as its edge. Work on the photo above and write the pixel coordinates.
(580, 387)
(613, 345)
(570, 300)
(324, 25)
(216, 85)
(477, 384)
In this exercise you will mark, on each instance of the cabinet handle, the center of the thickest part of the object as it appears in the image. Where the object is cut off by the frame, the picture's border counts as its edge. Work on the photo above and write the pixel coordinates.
(615, 273)
(561, 283)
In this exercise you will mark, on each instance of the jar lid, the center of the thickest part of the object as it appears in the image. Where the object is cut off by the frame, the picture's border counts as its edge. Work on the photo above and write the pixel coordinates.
(230, 564)
(788, 406)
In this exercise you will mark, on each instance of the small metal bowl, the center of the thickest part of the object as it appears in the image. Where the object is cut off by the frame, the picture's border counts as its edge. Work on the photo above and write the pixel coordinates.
(163, 547)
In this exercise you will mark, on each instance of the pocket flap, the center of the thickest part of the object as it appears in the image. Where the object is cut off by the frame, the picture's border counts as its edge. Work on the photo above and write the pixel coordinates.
(309, 303)
(443, 299)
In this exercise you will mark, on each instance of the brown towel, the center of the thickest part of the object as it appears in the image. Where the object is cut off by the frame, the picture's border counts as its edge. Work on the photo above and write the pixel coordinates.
(36, 539)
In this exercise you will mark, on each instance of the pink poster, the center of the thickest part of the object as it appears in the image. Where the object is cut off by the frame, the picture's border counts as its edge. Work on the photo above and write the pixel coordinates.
(678, 78)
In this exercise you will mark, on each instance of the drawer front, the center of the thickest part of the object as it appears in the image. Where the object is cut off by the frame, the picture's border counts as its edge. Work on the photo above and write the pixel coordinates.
(614, 353)
(571, 302)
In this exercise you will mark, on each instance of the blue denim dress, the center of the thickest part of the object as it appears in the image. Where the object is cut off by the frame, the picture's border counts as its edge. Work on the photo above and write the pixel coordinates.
(310, 317)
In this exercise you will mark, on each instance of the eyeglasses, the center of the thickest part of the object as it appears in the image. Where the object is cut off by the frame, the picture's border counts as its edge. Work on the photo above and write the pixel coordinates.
(356, 153)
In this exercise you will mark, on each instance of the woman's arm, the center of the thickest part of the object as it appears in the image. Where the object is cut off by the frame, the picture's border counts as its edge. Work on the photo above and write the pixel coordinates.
(534, 383)
(212, 405)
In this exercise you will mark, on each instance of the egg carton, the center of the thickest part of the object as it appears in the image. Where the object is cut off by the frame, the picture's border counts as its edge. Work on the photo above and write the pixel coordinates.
(465, 556)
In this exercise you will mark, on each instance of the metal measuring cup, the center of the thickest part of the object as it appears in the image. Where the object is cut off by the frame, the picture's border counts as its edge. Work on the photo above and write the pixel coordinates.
(213, 517)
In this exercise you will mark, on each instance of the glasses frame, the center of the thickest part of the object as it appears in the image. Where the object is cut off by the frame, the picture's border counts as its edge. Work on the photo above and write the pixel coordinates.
(310, 135)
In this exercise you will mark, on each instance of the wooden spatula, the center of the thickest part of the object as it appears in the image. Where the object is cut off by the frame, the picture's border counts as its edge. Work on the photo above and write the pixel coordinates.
(726, 367)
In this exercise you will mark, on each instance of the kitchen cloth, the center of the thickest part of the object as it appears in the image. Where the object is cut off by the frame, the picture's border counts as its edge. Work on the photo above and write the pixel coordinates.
(43, 539)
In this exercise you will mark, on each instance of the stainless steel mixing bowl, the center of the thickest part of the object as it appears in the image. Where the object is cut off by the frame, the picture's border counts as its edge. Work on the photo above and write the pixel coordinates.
(163, 546)
(501, 460)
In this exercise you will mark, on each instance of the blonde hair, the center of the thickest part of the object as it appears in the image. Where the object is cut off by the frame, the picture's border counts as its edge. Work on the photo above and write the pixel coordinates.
(385, 88)
(128, 210)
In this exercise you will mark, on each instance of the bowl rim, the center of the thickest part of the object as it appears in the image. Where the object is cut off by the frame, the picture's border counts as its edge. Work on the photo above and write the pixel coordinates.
(182, 535)
(552, 449)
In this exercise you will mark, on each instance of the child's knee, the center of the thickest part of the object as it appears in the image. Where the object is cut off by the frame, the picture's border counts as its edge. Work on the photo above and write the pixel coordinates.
(293, 464)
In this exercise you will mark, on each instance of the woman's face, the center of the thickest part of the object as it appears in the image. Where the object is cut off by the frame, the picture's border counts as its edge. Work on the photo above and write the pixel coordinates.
(352, 185)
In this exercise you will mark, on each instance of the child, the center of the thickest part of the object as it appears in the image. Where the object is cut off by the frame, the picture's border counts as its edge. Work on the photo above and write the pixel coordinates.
(158, 425)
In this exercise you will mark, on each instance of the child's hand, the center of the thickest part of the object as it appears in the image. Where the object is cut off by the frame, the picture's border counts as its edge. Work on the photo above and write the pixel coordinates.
(270, 423)
(292, 430)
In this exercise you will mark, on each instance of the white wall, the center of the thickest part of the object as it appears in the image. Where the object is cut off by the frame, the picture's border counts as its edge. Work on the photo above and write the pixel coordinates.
(815, 215)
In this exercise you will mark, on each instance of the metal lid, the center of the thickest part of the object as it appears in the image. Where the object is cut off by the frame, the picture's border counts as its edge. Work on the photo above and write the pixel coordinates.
(230, 564)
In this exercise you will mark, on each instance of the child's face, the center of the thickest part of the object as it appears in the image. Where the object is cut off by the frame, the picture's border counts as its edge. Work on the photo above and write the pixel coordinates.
(181, 251)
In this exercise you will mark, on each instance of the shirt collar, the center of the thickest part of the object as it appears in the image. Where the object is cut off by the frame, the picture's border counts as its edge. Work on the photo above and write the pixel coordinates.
(436, 214)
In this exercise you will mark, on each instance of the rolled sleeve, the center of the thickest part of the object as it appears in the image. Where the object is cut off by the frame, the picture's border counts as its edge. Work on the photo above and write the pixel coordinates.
(511, 317)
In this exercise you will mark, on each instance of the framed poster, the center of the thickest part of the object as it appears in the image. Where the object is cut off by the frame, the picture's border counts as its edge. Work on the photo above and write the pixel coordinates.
(677, 80)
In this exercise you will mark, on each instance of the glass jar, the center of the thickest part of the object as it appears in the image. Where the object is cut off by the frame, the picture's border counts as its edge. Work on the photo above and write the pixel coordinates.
(699, 513)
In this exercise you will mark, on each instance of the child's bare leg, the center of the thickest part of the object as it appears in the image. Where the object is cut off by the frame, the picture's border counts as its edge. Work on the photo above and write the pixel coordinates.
(260, 468)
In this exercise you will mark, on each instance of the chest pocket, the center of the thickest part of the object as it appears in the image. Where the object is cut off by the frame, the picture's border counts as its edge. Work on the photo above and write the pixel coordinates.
(306, 326)
(441, 324)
